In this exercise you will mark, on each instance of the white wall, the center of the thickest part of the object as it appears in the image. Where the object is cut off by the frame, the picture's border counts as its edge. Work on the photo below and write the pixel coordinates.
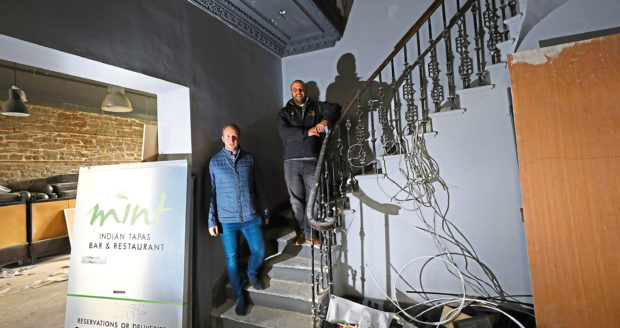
(476, 154)
(373, 28)
(477, 158)
(570, 17)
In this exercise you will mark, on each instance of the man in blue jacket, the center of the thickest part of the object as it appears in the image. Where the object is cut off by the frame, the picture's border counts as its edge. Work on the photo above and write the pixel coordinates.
(300, 124)
(238, 205)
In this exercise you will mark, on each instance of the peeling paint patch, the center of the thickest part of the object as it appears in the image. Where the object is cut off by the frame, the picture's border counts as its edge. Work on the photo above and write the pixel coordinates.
(540, 56)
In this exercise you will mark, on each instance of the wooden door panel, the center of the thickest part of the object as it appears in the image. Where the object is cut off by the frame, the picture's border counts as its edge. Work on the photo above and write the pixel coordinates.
(567, 118)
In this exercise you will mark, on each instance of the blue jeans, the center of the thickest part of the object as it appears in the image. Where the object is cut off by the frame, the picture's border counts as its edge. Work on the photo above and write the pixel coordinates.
(253, 232)
(299, 177)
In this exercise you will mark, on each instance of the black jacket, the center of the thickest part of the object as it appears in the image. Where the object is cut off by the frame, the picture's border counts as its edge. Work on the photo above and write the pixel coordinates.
(294, 122)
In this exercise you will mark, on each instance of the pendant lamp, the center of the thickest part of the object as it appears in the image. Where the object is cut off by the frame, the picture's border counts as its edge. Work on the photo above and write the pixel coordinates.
(116, 100)
(15, 105)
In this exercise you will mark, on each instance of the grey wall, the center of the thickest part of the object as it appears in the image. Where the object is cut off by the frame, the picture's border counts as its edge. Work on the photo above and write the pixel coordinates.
(230, 80)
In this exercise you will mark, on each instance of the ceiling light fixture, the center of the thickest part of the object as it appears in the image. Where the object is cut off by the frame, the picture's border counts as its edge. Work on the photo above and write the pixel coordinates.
(116, 100)
(281, 13)
(15, 105)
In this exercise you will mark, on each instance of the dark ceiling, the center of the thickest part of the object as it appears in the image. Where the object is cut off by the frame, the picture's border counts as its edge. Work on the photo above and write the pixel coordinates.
(284, 27)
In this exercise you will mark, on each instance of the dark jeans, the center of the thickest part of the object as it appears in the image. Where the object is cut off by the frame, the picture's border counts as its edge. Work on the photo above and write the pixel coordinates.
(299, 176)
(253, 232)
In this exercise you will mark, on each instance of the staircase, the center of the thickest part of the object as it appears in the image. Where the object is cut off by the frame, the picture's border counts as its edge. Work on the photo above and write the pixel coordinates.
(484, 163)
(425, 152)
(447, 92)
(287, 299)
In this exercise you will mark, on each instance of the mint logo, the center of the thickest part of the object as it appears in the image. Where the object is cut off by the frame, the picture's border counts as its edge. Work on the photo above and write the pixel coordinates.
(133, 213)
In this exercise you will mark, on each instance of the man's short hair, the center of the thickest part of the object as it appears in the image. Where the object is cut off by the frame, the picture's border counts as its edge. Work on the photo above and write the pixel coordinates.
(232, 126)
(298, 81)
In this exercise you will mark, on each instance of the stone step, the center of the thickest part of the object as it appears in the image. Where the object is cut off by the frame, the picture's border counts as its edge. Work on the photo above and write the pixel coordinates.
(282, 294)
(514, 25)
(498, 73)
(271, 239)
(286, 246)
(470, 97)
(288, 267)
(258, 317)
(505, 48)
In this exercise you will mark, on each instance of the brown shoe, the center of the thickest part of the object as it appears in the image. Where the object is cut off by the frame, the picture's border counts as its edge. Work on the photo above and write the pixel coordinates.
(298, 240)
(311, 241)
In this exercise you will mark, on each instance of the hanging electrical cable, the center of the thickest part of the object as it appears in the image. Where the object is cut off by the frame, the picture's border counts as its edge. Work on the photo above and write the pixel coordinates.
(419, 193)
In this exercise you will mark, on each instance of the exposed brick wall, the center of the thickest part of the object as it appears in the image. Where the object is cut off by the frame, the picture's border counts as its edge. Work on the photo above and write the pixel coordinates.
(57, 141)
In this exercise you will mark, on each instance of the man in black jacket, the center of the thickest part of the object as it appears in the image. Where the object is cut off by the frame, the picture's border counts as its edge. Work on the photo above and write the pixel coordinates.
(301, 123)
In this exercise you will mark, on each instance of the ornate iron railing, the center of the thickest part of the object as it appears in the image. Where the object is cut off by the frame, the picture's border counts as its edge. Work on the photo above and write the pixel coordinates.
(426, 84)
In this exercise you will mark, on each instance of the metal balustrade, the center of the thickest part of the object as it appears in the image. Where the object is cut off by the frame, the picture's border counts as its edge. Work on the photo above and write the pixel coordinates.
(375, 112)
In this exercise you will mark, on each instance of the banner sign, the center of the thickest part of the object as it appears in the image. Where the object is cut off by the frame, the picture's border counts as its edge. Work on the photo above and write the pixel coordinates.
(129, 251)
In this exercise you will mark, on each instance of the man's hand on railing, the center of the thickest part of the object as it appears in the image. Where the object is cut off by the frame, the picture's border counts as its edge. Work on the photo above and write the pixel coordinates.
(313, 132)
(318, 129)
(321, 126)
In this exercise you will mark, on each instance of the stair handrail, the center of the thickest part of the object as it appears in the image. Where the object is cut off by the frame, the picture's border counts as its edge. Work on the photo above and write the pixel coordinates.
(415, 28)
(397, 48)
(481, 21)
(431, 43)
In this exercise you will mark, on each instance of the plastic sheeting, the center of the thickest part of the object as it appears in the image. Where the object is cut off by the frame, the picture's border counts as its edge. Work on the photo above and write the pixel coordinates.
(344, 311)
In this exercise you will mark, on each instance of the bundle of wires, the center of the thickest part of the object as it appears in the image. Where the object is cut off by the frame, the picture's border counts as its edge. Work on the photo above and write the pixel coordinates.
(422, 183)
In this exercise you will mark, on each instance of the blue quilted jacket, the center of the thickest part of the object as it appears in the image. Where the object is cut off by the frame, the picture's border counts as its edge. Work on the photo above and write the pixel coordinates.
(236, 188)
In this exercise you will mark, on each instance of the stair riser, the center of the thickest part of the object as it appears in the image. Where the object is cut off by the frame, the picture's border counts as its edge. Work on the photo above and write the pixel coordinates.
(498, 73)
(304, 251)
(291, 274)
(230, 323)
(505, 48)
(297, 250)
(475, 96)
(224, 322)
(282, 303)
(276, 301)
(514, 26)
(258, 316)
(219, 322)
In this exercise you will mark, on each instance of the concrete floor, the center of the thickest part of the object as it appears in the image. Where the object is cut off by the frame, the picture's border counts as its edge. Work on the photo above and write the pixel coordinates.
(37, 297)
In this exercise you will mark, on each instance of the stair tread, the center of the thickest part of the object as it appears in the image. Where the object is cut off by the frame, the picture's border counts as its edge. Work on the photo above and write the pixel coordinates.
(499, 65)
(288, 239)
(261, 316)
(475, 89)
(292, 262)
(454, 112)
(286, 288)
(513, 19)
(508, 42)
